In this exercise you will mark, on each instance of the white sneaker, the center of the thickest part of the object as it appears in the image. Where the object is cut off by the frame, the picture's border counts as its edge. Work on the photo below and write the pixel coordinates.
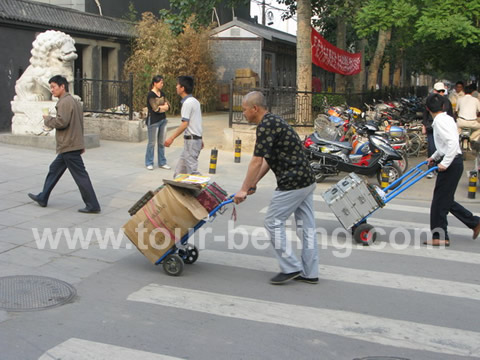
(430, 175)
(166, 167)
(150, 167)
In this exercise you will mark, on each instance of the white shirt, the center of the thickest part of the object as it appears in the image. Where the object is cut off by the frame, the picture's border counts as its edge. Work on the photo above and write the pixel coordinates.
(467, 107)
(192, 112)
(445, 134)
(454, 96)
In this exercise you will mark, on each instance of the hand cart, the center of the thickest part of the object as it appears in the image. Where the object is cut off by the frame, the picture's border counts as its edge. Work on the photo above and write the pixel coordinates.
(363, 232)
(174, 259)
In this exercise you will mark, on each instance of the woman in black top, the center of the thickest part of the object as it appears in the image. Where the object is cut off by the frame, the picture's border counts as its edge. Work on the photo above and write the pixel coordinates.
(157, 105)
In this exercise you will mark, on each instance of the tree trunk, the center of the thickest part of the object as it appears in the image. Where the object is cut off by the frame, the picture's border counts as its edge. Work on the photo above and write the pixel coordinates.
(383, 39)
(386, 75)
(397, 73)
(341, 80)
(303, 107)
(359, 79)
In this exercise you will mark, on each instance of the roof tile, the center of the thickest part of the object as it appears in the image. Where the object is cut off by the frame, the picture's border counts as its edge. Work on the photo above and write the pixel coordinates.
(31, 12)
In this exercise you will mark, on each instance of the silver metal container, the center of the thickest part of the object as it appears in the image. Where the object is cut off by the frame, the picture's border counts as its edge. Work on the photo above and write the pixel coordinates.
(350, 200)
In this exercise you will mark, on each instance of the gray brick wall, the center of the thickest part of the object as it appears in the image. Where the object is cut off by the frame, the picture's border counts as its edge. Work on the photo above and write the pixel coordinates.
(230, 55)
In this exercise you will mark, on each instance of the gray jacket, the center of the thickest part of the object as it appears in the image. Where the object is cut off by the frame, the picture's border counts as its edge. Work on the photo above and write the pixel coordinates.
(68, 124)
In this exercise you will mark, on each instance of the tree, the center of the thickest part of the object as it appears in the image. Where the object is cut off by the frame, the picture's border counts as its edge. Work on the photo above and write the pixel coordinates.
(304, 59)
(157, 50)
(202, 12)
(448, 45)
(382, 16)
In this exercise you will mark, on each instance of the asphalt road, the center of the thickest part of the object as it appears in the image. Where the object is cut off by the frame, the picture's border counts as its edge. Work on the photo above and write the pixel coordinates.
(396, 298)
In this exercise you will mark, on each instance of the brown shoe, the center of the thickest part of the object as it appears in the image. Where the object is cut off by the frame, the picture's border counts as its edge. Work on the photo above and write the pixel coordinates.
(476, 231)
(437, 242)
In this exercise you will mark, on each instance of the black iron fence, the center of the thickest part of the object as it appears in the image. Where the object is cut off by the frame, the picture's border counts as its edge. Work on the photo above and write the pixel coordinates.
(300, 108)
(105, 96)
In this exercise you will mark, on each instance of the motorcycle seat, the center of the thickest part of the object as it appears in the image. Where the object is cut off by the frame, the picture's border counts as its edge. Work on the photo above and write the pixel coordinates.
(341, 144)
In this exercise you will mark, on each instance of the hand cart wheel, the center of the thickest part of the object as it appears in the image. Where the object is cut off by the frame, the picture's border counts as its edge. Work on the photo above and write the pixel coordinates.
(189, 254)
(173, 265)
(365, 234)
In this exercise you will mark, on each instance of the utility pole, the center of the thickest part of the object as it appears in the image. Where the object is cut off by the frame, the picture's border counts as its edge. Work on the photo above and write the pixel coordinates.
(263, 12)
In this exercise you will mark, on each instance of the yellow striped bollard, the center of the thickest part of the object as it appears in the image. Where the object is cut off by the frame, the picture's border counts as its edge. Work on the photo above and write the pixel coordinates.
(472, 184)
(385, 179)
(238, 150)
(213, 161)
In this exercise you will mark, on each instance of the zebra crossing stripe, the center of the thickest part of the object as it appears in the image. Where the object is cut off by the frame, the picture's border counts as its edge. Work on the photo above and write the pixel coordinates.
(78, 349)
(355, 276)
(387, 223)
(379, 246)
(380, 330)
(397, 207)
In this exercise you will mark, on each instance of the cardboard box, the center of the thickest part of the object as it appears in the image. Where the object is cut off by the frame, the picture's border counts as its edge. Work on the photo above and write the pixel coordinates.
(247, 82)
(244, 73)
(163, 221)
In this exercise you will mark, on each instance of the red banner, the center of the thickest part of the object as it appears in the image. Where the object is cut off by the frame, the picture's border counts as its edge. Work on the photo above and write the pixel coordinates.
(333, 59)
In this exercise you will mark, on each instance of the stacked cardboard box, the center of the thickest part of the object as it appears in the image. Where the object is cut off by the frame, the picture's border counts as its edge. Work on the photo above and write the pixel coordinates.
(163, 221)
(246, 78)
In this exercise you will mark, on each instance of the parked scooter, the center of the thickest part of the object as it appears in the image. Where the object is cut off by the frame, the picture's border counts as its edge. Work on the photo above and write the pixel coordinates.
(464, 139)
(329, 158)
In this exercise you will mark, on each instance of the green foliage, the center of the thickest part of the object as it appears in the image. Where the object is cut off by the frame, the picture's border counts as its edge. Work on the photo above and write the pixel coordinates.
(157, 50)
(319, 100)
(384, 14)
(132, 14)
(450, 20)
(199, 13)
(434, 36)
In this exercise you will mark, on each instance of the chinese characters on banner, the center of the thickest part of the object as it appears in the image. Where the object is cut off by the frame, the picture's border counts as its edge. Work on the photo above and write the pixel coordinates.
(333, 59)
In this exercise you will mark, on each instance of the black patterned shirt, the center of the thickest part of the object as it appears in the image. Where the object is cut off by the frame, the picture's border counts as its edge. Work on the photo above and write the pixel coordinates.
(279, 144)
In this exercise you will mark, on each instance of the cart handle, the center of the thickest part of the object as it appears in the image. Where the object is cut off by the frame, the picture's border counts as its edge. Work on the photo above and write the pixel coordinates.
(411, 180)
(222, 204)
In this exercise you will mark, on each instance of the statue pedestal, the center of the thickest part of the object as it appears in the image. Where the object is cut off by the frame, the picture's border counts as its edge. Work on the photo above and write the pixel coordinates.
(28, 117)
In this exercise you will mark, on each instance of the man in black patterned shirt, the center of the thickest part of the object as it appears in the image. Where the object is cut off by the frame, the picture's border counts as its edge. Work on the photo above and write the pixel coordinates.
(278, 147)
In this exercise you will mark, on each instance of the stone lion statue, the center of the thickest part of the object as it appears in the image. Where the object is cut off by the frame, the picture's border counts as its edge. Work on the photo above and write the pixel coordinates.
(53, 54)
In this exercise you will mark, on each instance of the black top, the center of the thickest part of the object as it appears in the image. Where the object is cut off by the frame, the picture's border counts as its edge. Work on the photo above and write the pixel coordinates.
(153, 116)
(282, 148)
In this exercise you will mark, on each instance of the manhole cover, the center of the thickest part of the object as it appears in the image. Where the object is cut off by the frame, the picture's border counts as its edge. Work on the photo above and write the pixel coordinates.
(30, 292)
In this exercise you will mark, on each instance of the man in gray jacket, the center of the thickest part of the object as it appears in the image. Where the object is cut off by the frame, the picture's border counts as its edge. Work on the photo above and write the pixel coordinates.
(70, 146)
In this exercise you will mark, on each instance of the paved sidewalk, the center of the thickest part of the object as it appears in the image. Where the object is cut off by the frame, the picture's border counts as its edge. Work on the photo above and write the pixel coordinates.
(119, 177)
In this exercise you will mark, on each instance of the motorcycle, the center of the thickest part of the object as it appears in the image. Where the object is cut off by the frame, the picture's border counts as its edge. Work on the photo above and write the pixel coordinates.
(329, 158)
(464, 139)
(395, 136)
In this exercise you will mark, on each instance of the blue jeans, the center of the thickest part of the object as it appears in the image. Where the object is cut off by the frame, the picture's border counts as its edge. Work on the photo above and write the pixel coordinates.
(156, 133)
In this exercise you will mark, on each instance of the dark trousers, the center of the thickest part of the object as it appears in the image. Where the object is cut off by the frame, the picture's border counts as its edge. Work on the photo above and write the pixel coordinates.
(444, 201)
(430, 144)
(72, 161)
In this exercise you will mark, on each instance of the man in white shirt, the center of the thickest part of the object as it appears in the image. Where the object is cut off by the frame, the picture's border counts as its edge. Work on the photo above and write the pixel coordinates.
(456, 93)
(191, 127)
(450, 169)
(468, 107)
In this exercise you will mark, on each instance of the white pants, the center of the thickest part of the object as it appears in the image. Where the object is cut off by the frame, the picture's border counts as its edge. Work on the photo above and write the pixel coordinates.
(469, 124)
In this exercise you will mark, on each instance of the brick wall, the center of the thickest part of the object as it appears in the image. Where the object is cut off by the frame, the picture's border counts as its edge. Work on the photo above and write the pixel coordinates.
(230, 55)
